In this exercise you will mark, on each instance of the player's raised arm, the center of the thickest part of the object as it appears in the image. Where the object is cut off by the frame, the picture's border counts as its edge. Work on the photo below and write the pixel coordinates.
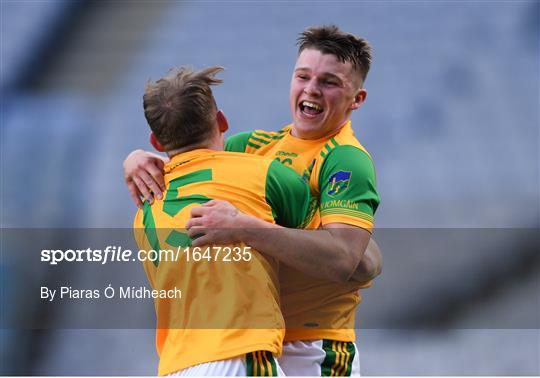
(143, 173)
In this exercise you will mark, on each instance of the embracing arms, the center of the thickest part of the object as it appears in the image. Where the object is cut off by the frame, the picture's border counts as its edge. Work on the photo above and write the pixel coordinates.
(337, 252)
(333, 253)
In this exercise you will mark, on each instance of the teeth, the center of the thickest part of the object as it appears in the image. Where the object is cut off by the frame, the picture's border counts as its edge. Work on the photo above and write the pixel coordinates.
(312, 105)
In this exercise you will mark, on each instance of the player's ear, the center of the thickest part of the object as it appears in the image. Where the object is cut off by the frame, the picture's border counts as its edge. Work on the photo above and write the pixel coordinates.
(359, 99)
(155, 143)
(222, 122)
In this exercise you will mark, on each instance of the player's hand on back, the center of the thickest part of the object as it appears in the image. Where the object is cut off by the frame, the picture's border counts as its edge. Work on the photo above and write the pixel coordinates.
(143, 173)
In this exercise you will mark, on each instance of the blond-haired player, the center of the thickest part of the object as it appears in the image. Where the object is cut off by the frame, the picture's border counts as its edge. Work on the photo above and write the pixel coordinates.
(227, 321)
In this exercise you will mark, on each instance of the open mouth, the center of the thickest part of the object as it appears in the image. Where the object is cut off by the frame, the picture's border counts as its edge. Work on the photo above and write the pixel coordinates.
(310, 108)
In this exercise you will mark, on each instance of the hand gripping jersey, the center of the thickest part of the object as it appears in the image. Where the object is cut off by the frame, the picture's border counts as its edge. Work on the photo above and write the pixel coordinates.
(341, 174)
(229, 306)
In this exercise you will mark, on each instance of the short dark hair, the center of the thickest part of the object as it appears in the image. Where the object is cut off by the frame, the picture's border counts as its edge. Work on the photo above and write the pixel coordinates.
(180, 107)
(329, 39)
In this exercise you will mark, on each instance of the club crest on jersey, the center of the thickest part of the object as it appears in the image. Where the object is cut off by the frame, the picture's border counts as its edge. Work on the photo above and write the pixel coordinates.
(338, 183)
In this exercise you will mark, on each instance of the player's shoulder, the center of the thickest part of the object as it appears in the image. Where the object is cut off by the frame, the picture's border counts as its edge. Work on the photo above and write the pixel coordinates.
(345, 137)
(243, 157)
(349, 157)
(272, 135)
(346, 149)
(256, 165)
(249, 163)
(261, 138)
(254, 139)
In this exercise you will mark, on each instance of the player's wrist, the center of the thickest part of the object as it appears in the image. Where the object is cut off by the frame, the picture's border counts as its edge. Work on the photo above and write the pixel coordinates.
(251, 229)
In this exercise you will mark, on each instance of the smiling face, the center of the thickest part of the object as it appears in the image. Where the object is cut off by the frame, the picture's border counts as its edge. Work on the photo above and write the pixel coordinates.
(324, 92)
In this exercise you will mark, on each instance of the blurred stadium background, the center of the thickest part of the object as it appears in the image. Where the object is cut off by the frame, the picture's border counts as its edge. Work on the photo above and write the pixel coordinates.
(452, 121)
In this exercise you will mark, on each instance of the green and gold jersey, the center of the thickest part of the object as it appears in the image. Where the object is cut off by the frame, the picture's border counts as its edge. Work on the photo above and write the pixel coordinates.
(228, 306)
(341, 175)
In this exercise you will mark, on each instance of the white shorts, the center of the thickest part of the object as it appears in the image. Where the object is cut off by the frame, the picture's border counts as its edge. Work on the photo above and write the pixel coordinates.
(254, 364)
(320, 358)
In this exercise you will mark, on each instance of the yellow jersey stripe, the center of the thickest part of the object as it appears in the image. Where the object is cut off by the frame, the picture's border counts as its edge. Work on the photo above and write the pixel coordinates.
(329, 146)
(264, 371)
(258, 140)
(268, 364)
(261, 134)
(264, 361)
(347, 360)
(256, 365)
(261, 364)
(336, 361)
(342, 359)
(353, 221)
(354, 213)
(339, 358)
(271, 135)
(334, 142)
(249, 143)
(267, 138)
(323, 153)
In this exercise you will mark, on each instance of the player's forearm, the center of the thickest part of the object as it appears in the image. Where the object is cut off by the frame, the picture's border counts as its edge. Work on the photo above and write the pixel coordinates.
(318, 253)
(370, 265)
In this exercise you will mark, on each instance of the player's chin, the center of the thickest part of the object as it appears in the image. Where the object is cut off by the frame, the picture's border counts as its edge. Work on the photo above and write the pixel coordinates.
(308, 125)
(306, 131)
(307, 119)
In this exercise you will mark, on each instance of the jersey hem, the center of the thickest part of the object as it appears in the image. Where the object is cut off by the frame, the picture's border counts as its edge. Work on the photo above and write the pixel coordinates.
(229, 354)
(318, 334)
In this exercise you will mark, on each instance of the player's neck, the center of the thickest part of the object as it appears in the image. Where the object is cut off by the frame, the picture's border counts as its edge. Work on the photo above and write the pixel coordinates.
(317, 134)
(215, 143)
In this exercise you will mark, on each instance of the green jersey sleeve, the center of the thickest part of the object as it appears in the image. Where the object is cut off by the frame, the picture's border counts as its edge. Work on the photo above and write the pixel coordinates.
(288, 195)
(238, 142)
(347, 186)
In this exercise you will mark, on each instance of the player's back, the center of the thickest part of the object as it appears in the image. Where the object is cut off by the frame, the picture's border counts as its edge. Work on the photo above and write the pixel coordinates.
(230, 301)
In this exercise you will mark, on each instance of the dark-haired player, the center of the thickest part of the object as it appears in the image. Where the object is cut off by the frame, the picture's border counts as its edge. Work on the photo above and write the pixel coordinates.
(319, 294)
